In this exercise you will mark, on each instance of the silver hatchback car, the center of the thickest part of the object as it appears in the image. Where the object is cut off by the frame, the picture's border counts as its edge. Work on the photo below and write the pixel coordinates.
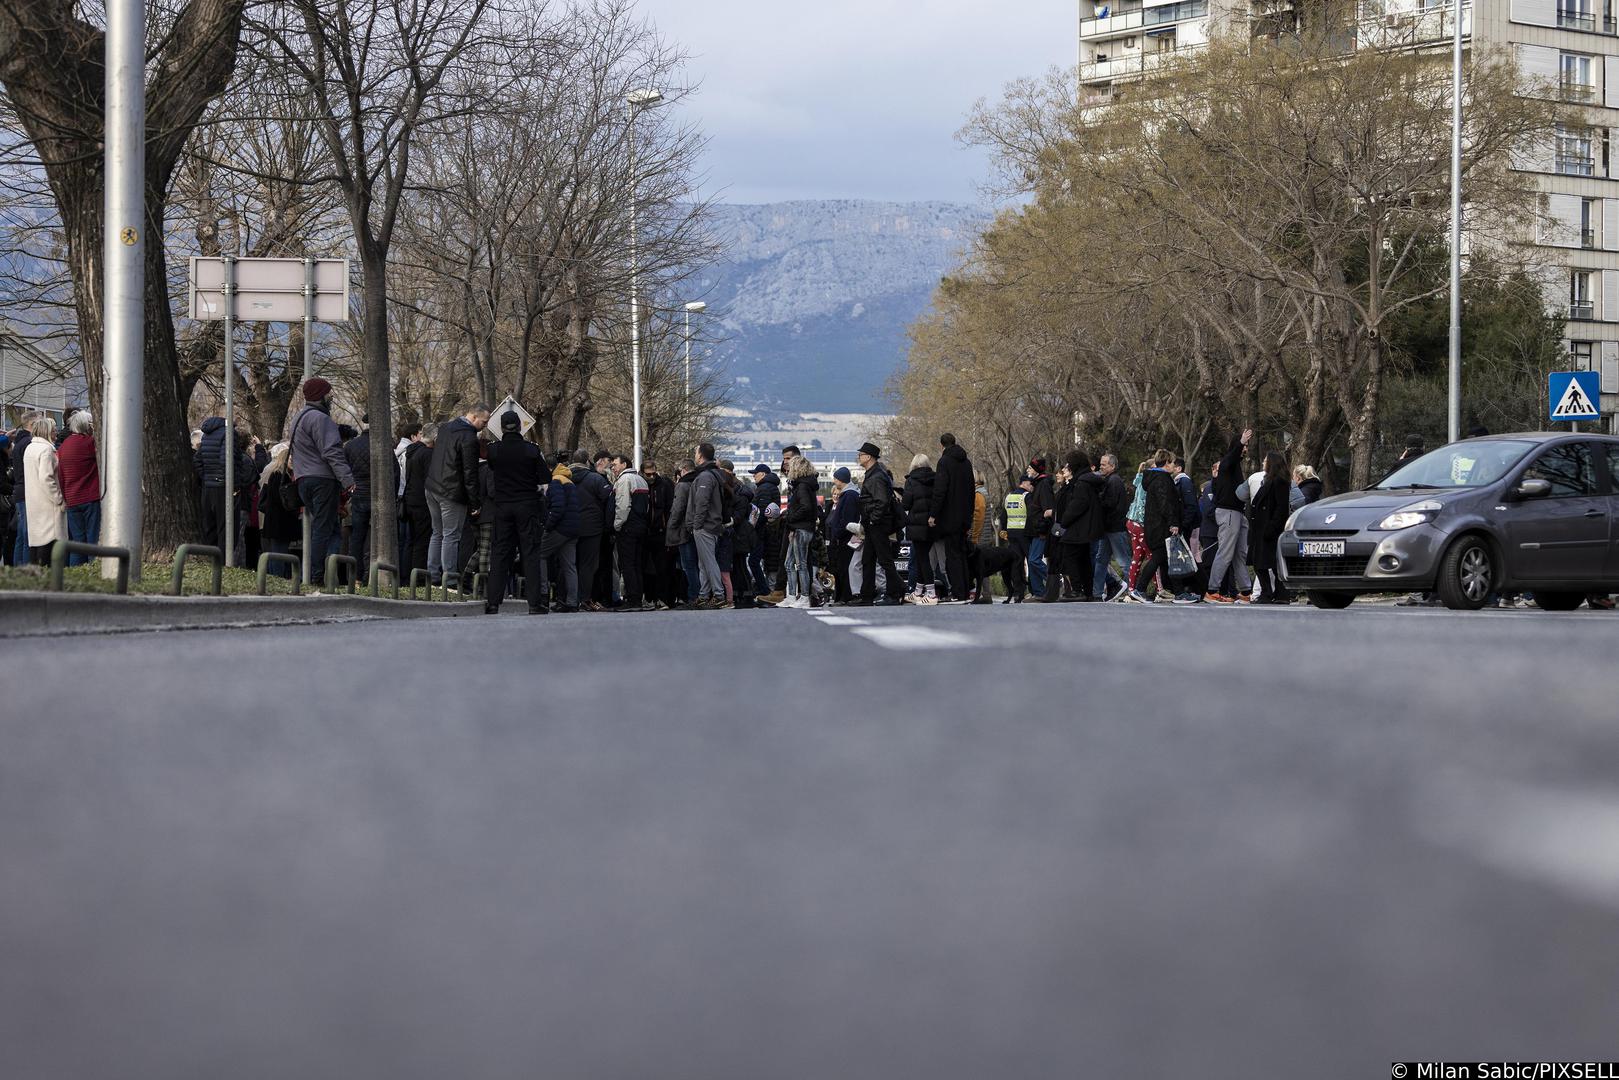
(1535, 512)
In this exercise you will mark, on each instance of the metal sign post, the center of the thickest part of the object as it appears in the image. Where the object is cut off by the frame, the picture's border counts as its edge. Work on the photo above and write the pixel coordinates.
(265, 290)
(230, 410)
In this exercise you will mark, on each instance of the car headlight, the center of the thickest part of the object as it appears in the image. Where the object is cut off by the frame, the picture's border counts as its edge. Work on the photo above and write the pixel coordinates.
(1292, 519)
(1416, 514)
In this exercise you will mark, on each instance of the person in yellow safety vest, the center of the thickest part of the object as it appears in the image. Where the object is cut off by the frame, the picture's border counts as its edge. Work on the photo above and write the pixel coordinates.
(1016, 514)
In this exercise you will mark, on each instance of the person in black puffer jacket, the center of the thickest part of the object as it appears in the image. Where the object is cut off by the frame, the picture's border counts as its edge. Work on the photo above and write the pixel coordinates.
(208, 462)
(1162, 520)
(1081, 518)
(917, 502)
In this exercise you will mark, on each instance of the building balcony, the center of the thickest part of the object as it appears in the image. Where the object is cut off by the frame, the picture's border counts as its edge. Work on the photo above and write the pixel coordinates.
(1397, 24)
(1572, 90)
(1574, 165)
(1111, 25)
(1585, 311)
(1588, 239)
(1577, 20)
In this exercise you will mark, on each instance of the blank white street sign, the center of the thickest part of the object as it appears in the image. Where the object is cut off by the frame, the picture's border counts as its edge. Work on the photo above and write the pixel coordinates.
(511, 405)
(269, 290)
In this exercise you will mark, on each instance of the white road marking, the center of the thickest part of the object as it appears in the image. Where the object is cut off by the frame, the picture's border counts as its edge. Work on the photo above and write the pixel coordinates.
(1567, 839)
(908, 638)
(839, 620)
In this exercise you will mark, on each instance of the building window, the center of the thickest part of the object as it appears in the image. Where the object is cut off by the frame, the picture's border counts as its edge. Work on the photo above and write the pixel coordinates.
(1574, 151)
(1590, 218)
(1580, 353)
(1575, 80)
(1579, 295)
(1129, 43)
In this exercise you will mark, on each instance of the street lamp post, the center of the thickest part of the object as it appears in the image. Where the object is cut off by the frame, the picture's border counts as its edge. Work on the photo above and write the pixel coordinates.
(636, 100)
(1455, 396)
(699, 307)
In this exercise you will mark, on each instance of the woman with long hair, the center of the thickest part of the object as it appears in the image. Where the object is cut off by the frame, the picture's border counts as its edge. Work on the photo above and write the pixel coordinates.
(1268, 514)
(917, 502)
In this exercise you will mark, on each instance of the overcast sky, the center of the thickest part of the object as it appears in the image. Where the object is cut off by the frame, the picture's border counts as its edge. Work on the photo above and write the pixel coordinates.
(820, 99)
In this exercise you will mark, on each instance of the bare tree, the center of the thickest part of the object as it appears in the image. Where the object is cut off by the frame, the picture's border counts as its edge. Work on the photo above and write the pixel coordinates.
(51, 66)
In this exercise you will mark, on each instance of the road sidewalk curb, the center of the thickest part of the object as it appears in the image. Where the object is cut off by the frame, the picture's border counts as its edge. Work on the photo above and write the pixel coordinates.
(47, 614)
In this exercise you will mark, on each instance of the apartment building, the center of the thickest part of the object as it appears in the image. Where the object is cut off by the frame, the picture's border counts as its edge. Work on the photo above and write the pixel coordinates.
(1569, 48)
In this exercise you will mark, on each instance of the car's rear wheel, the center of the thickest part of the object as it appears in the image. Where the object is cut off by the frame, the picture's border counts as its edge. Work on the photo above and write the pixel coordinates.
(1467, 575)
(1331, 601)
(1558, 601)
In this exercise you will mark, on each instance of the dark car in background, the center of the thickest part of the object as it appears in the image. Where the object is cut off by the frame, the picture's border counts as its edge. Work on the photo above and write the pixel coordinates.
(1534, 512)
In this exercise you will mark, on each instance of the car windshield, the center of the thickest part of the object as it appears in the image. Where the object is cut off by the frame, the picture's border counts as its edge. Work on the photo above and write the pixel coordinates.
(1474, 463)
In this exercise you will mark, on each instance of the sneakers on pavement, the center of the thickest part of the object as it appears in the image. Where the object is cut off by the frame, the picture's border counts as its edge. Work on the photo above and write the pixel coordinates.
(1134, 596)
(1186, 598)
(1216, 598)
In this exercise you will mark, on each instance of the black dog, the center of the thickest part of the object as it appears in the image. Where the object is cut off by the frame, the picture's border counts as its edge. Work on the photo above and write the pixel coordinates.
(983, 562)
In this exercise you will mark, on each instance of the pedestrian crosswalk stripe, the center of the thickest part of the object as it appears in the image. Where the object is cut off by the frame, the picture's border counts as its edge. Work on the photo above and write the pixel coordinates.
(839, 620)
(911, 638)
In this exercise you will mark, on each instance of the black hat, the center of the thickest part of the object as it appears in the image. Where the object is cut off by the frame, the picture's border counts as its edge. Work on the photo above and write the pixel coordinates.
(510, 421)
(1415, 442)
(759, 470)
(871, 450)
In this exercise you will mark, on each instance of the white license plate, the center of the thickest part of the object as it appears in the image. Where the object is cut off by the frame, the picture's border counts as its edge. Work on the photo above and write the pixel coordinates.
(1320, 548)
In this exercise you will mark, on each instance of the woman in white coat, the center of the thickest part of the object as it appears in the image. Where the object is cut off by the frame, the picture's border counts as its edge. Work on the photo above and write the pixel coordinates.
(47, 510)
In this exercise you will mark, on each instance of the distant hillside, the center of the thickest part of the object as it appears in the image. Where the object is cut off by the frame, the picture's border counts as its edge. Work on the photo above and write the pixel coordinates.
(815, 297)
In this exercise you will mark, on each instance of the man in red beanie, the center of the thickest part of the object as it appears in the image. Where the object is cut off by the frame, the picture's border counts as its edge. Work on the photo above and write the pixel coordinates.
(323, 473)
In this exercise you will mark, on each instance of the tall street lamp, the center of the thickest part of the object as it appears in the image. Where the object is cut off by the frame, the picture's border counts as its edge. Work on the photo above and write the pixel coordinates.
(699, 307)
(636, 100)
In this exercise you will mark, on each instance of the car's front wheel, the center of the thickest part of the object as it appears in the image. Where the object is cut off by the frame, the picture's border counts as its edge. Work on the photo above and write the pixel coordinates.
(1331, 601)
(1558, 601)
(1467, 575)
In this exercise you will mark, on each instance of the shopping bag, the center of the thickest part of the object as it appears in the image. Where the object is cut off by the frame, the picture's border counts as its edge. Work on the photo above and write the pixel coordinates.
(1181, 563)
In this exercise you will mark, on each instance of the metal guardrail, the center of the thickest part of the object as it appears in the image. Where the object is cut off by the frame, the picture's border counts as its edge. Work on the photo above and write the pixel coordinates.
(378, 566)
(421, 575)
(185, 551)
(333, 562)
(294, 561)
(63, 548)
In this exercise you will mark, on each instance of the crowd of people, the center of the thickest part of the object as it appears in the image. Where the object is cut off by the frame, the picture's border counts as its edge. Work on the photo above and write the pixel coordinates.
(576, 531)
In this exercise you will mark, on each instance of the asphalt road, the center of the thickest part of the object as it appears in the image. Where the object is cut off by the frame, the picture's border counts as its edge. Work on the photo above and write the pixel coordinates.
(1068, 841)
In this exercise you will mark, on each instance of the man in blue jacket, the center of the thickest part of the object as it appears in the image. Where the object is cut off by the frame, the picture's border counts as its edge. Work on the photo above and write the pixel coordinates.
(561, 538)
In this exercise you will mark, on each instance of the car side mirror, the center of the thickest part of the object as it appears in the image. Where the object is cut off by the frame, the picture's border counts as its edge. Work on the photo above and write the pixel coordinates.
(1532, 489)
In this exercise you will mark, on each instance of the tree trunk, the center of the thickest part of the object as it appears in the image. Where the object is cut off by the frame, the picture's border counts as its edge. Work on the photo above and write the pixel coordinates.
(379, 405)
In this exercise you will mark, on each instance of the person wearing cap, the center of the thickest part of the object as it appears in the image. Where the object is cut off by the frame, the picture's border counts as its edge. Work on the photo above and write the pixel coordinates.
(845, 511)
(453, 492)
(878, 521)
(517, 468)
(322, 470)
(81, 483)
(765, 561)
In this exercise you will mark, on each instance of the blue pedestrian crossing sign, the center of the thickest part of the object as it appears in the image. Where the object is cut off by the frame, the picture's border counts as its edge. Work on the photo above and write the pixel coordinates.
(1575, 395)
